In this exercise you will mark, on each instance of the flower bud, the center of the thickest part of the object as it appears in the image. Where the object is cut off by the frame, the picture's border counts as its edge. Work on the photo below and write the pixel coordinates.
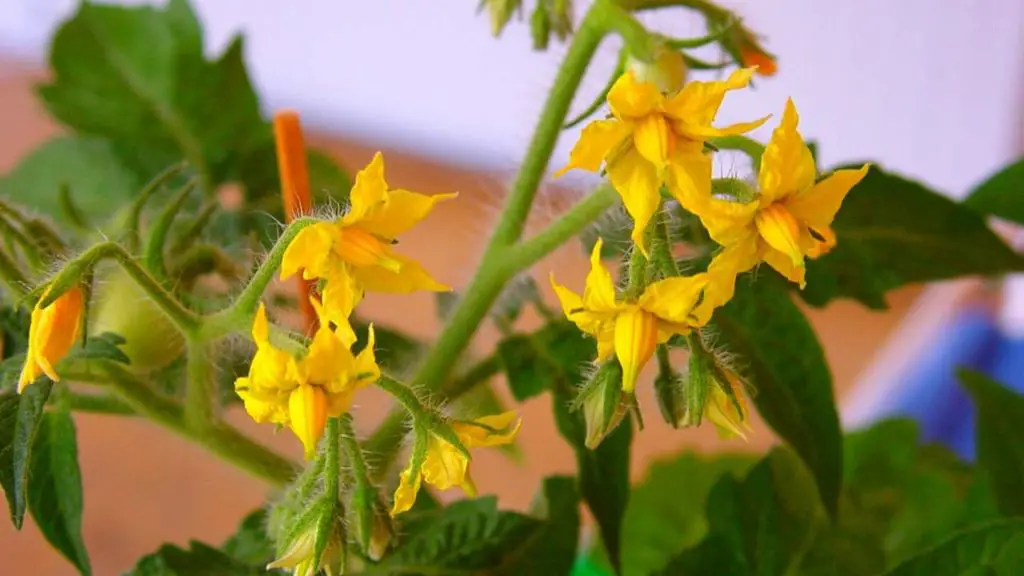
(315, 543)
(120, 306)
(604, 403)
(501, 12)
(671, 395)
(714, 392)
(373, 529)
(667, 70)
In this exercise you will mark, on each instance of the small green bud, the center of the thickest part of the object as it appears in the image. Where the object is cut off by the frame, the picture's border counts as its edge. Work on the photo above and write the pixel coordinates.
(501, 12)
(669, 390)
(540, 26)
(667, 70)
(315, 542)
(372, 523)
(604, 403)
(561, 18)
(733, 189)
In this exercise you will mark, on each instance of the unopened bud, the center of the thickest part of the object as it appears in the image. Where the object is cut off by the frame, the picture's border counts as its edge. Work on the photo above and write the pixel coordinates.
(604, 403)
(698, 383)
(667, 70)
(501, 12)
(316, 542)
(373, 529)
(670, 393)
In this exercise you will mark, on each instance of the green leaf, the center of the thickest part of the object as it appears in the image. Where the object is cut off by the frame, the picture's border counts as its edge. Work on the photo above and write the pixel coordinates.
(90, 168)
(198, 560)
(467, 536)
(995, 549)
(105, 346)
(14, 323)
(1002, 195)
(553, 550)
(892, 231)
(137, 76)
(55, 493)
(758, 525)
(787, 368)
(665, 515)
(1000, 452)
(250, 544)
(329, 182)
(546, 359)
(20, 417)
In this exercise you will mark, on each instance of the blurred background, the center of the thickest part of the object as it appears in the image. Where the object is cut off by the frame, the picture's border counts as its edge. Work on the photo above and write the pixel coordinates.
(929, 90)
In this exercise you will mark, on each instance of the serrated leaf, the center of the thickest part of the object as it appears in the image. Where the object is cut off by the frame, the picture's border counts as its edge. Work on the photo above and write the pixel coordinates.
(55, 493)
(995, 549)
(665, 515)
(20, 417)
(95, 176)
(1002, 195)
(1000, 452)
(792, 382)
(250, 544)
(891, 232)
(467, 536)
(553, 549)
(198, 560)
(137, 76)
(758, 525)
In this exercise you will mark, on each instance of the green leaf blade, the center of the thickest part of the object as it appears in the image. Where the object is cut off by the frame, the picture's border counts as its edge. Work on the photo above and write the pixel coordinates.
(20, 419)
(995, 548)
(1002, 195)
(55, 493)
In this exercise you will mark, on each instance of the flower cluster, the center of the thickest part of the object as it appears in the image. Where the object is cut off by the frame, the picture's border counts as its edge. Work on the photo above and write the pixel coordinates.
(657, 141)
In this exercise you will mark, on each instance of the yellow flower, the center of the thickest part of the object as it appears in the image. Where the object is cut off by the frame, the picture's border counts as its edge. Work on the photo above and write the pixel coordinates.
(790, 219)
(302, 393)
(355, 252)
(727, 410)
(631, 329)
(654, 139)
(51, 335)
(445, 466)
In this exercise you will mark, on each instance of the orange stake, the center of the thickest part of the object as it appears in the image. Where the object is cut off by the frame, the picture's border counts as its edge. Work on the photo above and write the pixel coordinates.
(291, 163)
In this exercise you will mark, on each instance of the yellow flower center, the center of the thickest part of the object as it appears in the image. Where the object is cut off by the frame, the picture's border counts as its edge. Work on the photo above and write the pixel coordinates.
(781, 231)
(636, 335)
(362, 249)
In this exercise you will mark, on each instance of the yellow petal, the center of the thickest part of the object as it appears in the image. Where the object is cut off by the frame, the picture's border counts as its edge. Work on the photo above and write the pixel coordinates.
(721, 411)
(361, 248)
(637, 182)
(781, 231)
(696, 105)
(787, 166)
(817, 206)
(823, 244)
(784, 264)
(599, 292)
(366, 362)
(728, 221)
(689, 178)
(261, 408)
(411, 277)
(706, 132)
(672, 299)
(307, 413)
(473, 436)
(327, 359)
(722, 272)
(405, 494)
(572, 307)
(309, 251)
(369, 191)
(341, 295)
(444, 466)
(260, 327)
(636, 335)
(400, 212)
(52, 333)
(605, 340)
(596, 142)
(654, 140)
(629, 99)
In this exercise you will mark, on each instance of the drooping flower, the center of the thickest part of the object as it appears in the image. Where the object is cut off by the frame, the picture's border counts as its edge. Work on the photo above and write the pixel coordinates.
(445, 466)
(354, 253)
(302, 392)
(52, 333)
(631, 329)
(651, 132)
(789, 219)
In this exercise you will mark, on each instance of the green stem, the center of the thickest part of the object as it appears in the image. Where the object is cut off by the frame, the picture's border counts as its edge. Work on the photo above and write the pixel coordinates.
(239, 316)
(199, 412)
(185, 320)
(194, 229)
(153, 256)
(135, 213)
(745, 144)
(29, 246)
(353, 452)
(98, 404)
(221, 439)
(492, 275)
(661, 247)
(405, 396)
(332, 461)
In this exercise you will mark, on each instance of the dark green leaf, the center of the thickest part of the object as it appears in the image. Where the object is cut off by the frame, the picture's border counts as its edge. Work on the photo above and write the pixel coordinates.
(760, 525)
(467, 536)
(787, 368)
(665, 515)
(10, 371)
(105, 346)
(1002, 195)
(14, 324)
(250, 544)
(552, 551)
(198, 560)
(329, 182)
(137, 76)
(96, 178)
(996, 548)
(891, 232)
(55, 493)
(1000, 451)
(20, 417)
(551, 357)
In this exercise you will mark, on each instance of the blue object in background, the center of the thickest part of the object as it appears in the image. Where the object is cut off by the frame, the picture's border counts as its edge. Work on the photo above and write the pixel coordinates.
(930, 392)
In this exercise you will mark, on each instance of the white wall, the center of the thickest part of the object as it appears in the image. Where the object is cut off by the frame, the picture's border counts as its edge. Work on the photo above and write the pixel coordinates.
(928, 87)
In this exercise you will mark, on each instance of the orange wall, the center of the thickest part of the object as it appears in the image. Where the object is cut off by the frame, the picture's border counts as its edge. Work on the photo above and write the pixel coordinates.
(144, 486)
